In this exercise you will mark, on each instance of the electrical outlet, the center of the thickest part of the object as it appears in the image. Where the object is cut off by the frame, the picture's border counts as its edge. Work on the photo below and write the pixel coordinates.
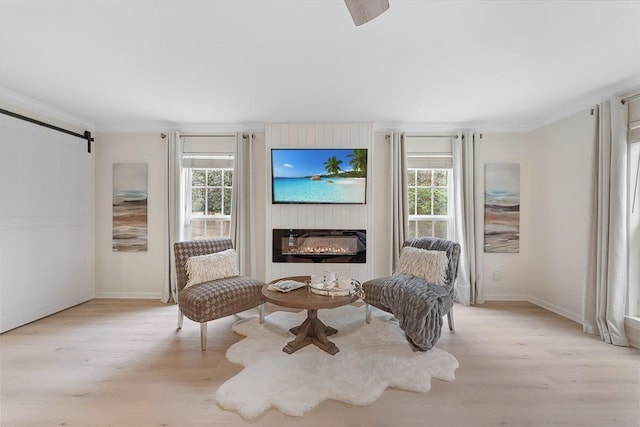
(497, 276)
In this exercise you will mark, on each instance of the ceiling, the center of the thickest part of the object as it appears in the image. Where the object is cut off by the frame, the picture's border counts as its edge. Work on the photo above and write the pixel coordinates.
(119, 64)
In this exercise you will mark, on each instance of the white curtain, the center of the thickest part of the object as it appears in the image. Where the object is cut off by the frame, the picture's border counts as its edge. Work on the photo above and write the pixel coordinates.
(242, 205)
(398, 168)
(174, 212)
(184, 188)
(606, 289)
(467, 284)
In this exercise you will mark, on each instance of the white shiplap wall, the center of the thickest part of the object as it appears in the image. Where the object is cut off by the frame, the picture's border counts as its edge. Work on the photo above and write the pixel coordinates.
(319, 135)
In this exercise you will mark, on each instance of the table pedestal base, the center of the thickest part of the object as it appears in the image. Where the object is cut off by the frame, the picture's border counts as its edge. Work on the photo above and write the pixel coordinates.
(312, 331)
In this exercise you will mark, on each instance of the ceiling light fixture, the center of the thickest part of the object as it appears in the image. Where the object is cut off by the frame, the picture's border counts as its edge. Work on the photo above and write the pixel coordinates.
(363, 11)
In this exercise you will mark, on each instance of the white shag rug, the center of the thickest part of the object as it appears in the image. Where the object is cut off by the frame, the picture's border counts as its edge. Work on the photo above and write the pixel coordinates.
(372, 357)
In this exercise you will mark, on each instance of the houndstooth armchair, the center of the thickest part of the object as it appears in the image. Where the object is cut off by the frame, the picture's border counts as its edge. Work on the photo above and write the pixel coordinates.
(215, 299)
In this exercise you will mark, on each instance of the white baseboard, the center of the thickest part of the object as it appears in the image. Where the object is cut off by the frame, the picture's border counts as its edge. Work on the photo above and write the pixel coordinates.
(554, 308)
(537, 301)
(129, 295)
(504, 297)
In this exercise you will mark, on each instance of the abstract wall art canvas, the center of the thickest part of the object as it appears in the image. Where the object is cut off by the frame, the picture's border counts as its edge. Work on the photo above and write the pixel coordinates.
(502, 208)
(129, 207)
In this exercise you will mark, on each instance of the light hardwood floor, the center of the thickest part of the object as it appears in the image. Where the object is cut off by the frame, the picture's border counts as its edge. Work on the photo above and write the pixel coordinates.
(122, 363)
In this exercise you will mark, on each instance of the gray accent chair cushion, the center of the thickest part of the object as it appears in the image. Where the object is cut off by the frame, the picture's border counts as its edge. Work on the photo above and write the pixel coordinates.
(420, 320)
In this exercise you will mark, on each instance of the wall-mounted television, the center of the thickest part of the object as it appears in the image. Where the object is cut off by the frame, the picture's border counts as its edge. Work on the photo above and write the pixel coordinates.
(319, 175)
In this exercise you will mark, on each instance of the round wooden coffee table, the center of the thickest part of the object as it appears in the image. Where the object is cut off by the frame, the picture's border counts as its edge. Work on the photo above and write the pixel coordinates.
(312, 330)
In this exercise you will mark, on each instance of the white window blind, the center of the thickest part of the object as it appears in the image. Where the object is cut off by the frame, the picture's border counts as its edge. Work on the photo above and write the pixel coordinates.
(428, 152)
(224, 161)
(208, 151)
(209, 145)
(426, 161)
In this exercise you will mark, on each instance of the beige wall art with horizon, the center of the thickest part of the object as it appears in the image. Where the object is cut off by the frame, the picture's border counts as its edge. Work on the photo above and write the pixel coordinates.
(129, 207)
(502, 208)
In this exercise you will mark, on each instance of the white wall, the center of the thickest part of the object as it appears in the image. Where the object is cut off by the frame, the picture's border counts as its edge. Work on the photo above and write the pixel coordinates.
(504, 276)
(381, 187)
(46, 222)
(555, 166)
(562, 165)
(131, 274)
(261, 198)
(141, 274)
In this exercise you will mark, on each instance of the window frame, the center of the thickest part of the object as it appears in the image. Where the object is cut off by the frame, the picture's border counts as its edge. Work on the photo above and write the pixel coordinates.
(417, 218)
(206, 218)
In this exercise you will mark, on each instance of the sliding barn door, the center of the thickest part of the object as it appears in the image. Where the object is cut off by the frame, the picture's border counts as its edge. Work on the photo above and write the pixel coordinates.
(46, 222)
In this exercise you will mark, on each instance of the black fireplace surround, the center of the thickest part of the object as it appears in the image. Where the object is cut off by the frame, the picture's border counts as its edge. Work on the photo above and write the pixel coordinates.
(316, 246)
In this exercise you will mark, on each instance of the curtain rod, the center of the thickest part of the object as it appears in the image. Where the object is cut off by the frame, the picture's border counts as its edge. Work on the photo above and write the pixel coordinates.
(449, 135)
(206, 135)
(86, 135)
(446, 135)
(625, 100)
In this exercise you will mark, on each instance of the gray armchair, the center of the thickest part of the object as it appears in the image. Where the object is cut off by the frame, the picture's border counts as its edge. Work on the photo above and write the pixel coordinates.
(215, 299)
(418, 305)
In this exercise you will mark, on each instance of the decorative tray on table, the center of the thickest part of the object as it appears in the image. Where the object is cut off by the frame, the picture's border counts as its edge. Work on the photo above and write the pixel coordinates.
(331, 289)
(323, 289)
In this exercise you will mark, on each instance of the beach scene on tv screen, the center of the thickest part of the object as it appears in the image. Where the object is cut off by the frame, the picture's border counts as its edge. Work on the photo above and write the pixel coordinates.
(319, 175)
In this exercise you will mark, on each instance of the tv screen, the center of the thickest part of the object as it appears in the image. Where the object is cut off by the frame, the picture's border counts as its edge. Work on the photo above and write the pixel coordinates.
(319, 175)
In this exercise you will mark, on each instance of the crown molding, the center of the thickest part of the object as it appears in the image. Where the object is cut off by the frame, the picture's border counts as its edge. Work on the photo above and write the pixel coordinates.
(416, 127)
(27, 105)
(163, 126)
(621, 88)
(434, 128)
(260, 127)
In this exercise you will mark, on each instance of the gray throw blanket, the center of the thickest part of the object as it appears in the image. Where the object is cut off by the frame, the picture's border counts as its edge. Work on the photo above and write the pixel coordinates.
(418, 307)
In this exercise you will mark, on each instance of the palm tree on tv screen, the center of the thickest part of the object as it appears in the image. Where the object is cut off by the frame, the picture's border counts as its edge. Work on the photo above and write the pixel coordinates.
(332, 165)
(358, 161)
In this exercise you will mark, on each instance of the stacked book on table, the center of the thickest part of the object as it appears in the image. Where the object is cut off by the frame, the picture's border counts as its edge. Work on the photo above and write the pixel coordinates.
(286, 286)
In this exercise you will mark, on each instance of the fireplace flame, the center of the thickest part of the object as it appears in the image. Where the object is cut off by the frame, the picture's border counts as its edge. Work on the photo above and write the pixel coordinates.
(301, 245)
(320, 250)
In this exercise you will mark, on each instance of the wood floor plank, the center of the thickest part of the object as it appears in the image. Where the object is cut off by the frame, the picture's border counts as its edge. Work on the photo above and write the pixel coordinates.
(122, 363)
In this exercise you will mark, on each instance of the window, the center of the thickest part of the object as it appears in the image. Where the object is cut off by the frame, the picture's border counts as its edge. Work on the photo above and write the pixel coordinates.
(210, 210)
(206, 185)
(429, 208)
(429, 186)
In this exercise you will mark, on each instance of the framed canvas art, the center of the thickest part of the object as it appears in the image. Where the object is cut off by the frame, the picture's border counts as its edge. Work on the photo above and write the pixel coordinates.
(502, 208)
(129, 207)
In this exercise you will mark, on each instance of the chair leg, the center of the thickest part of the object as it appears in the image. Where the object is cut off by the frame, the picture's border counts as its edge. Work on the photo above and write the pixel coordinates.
(180, 319)
(203, 335)
(450, 319)
(261, 312)
(367, 313)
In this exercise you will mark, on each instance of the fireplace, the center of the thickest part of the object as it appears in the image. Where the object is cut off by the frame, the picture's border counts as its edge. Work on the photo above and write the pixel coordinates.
(313, 245)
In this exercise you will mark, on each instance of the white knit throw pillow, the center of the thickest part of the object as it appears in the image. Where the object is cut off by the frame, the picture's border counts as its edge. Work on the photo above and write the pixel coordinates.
(428, 265)
(218, 265)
